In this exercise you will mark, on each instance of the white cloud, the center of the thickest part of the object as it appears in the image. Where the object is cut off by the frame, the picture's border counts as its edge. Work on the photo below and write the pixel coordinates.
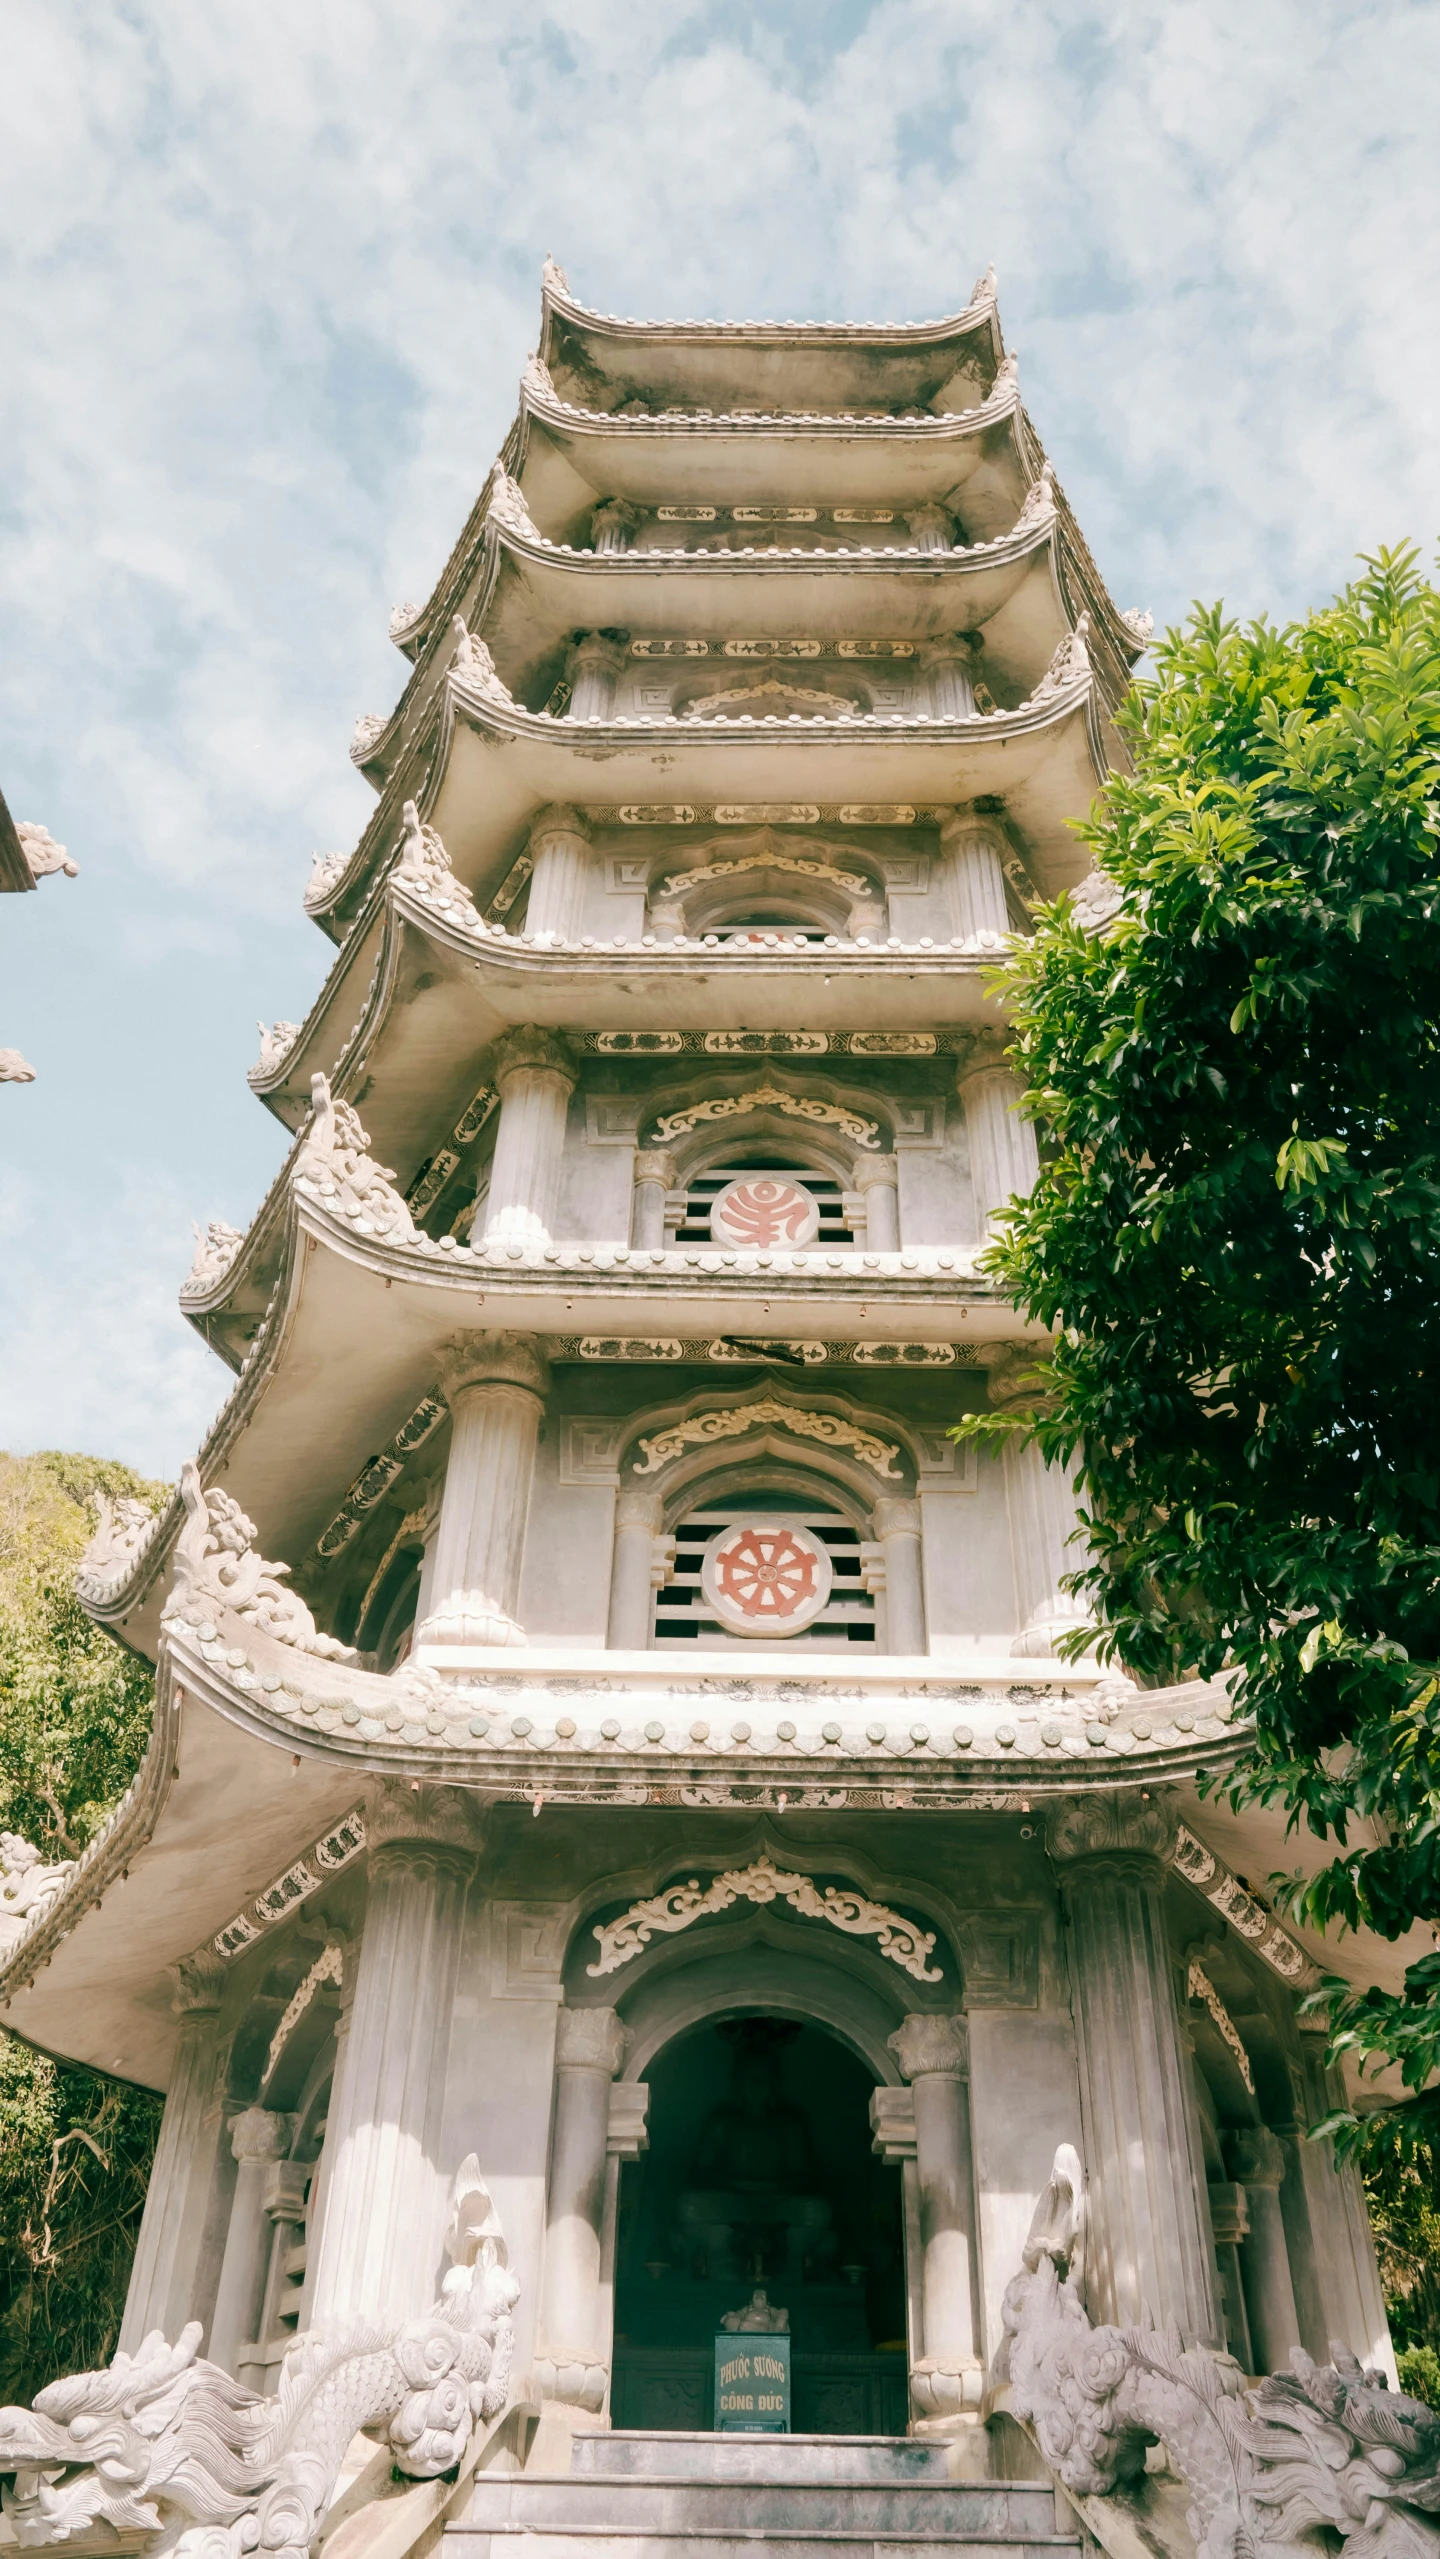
(273, 274)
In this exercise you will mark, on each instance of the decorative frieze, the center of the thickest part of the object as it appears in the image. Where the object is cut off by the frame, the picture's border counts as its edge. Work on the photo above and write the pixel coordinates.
(730, 1349)
(776, 1043)
(767, 1097)
(334, 1850)
(375, 1479)
(774, 813)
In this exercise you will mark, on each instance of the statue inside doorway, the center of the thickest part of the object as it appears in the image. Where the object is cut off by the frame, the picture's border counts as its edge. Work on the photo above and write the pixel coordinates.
(756, 2208)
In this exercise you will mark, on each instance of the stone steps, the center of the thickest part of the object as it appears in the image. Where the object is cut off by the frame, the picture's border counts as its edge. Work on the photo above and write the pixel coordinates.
(779, 2497)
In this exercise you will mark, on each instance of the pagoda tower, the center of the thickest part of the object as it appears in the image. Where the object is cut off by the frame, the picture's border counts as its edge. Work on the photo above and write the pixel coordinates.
(651, 1770)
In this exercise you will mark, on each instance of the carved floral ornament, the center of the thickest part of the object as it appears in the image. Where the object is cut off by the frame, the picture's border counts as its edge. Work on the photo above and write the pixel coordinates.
(736, 1421)
(802, 865)
(680, 1905)
(768, 1097)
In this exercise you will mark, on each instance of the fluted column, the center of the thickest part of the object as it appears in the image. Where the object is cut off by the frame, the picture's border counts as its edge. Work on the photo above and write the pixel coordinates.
(931, 528)
(388, 2186)
(973, 859)
(640, 1563)
(536, 1077)
(1257, 2162)
(1041, 1502)
(877, 1181)
(495, 1384)
(573, 2360)
(897, 1533)
(162, 2280)
(595, 663)
(1148, 2245)
(655, 1179)
(612, 526)
(949, 667)
(560, 867)
(258, 2139)
(1003, 1155)
(934, 2055)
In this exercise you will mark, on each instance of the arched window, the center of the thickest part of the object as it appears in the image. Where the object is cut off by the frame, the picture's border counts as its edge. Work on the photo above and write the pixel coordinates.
(685, 1612)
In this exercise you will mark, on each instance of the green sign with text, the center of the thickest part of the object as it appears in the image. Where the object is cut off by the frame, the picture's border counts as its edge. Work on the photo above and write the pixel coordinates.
(752, 2385)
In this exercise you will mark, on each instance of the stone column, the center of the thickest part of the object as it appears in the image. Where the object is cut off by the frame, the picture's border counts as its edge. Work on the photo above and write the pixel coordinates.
(1345, 2296)
(496, 1385)
(654, 1181)
(258, 2139)
(1149, 2255)
(640, 1564)
(536, 1077)
(949, 667)
(1257, 2162)
(573, 2359)
(387, 2193)
(162, 2279)
(1230, 2225)
(560, 864)
(973, 858)
(897, 1533)
(612, 526)
(1003, 1154)
(877, 1180)
(1040, 1500)
(934, 2055)
(595, 662)
(931, 528)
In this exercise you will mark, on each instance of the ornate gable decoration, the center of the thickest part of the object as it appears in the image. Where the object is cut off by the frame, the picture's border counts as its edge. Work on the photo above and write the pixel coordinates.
(335, 1167)
(735, 1420)
(680, 1905)
(767, 1097)
(216, 1566)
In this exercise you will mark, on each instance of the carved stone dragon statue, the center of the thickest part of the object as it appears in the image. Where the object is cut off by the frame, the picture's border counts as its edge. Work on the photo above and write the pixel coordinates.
(1318, 2452)
(165, 2443)
(216, 1566)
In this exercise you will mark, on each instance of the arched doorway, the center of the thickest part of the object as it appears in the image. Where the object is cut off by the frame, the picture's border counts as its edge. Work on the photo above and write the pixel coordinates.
(760, 2171)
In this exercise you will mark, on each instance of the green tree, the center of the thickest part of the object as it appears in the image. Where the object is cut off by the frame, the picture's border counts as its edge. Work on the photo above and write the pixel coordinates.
(1235, 1235)
(75, 2147)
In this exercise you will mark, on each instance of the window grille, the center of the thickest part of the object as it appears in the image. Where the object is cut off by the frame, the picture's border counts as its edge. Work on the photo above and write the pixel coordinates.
(681, 1613)
(705, 1189)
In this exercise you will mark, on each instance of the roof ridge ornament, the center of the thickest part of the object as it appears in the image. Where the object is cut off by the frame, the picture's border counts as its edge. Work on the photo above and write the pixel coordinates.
(536, 382)
(1070, 663)
(473, 661)
(1040, 499)
(216, 1246)
(1006, 384)
(986, 287)
(334, 1166)
(366, 734)
(123, 1526)
(507, 506)
(276, 1041)
(553, 278)
(216, 1566)
(325, 870)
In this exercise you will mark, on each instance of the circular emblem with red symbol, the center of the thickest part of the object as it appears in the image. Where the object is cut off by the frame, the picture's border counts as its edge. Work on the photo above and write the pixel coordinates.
(766, 1577)
(761, 1210)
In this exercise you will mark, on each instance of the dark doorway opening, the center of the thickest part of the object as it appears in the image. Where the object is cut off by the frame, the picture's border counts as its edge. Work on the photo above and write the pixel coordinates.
(760, 2172)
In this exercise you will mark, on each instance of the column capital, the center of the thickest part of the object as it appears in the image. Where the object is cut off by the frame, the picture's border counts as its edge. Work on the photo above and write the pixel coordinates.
(1109, 1822)
(590, 2039)
(528, 1045)
(963, 827)
(932, 526)
(637, 1507)
(1254, 2157)
(603, 649)
(953, 649)
(894, 1515)
(653, 1164)
(932, 2047)
(872, 1172)
(615, 516)
(256, 2134)
(558, 817)
(400, 1815)
(493, 1359)
(197, 1983)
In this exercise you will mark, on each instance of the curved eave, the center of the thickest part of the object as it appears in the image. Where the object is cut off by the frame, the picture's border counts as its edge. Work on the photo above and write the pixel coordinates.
(89, 1981)
(210, 1820)
(1010, 589)
(352, 1340)
(982, 457)
(779, 364)
(1046, 760)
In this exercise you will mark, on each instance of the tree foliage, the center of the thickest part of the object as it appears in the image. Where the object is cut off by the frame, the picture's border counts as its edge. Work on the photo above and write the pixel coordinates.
(75, 2147)
(1236, 1230)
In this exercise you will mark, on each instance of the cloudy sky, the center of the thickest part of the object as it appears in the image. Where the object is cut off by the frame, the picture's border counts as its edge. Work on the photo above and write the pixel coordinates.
(270, 269)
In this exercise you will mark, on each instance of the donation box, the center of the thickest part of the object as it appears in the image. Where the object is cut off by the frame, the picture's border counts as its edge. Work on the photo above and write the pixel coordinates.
(752, 2385)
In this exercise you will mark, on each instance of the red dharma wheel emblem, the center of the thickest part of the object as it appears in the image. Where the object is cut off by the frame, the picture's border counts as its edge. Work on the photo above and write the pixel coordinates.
(766, 1577)
(762, 1210)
